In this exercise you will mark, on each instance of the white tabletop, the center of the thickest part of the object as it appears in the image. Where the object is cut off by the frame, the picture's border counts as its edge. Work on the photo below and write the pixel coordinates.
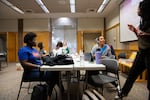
(89, 66)
(76, 66)
(57, 68)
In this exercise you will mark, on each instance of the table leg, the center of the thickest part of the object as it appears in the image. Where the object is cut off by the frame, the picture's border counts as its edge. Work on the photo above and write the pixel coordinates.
(86, 81)
(78, 78)
(0, 65)
(60, 85)
(68, 84)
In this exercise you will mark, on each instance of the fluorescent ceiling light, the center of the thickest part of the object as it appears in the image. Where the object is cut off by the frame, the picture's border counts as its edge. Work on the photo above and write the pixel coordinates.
(12, 6)
(102, 6)
(45, 9)
(105, 2)
(72, 2)
(72, 6)
(41, 4)
(17, 9)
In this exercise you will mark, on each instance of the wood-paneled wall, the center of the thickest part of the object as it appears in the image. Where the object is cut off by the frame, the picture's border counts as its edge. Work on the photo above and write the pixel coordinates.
(12, 43)
(133, 45)
(12, 46)
(80, 37)
(128, 52)
(44, 37)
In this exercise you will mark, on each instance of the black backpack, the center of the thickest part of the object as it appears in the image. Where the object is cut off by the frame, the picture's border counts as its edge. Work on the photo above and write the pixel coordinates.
(58, 60)
(40, 92)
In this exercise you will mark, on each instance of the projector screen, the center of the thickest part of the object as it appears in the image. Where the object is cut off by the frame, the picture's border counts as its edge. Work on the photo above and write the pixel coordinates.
(128, 15)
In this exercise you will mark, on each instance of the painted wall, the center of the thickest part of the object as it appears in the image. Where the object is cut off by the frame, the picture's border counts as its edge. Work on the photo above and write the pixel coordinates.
(11, 25)
(36, 25)
(90, 24)
(8, 25)
(112, 18)
(113, 30)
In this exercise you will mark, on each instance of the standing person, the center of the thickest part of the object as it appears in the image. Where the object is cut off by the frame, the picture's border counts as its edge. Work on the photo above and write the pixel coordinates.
(142, 60)
(29, 58)
(41, 49)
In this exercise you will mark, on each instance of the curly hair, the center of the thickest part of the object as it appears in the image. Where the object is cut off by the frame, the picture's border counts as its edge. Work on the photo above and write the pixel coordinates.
(59, 44)
(144, 7)
(40, 45)
(29, 37)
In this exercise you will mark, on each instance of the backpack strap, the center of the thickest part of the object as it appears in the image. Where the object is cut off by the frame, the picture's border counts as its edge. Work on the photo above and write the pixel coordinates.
(92, 94)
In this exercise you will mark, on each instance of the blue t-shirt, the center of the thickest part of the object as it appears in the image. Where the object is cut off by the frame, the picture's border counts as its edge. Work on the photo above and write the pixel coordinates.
(30, 54)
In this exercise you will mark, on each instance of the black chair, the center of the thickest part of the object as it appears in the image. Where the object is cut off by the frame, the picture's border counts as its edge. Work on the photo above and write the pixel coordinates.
(111, 76)
(112, 51)
(88, 56)
(122, 55)
(3, 58)
(25, 79)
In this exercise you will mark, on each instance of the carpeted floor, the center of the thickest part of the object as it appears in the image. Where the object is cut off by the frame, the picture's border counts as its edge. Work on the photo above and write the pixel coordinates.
(10, 80)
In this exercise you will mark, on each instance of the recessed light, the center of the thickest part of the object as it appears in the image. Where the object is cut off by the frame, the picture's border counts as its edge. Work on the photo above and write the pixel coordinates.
(62, 2)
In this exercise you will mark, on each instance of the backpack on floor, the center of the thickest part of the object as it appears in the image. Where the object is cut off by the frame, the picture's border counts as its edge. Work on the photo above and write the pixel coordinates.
(56, 93)
(40, 92)
(92, 94)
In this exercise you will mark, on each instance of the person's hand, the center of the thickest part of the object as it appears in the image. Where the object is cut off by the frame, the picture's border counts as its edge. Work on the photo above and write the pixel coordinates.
(132, 28)
(141, 33)
(137, 31)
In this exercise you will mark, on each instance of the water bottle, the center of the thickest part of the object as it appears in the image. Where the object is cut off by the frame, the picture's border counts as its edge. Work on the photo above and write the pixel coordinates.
(98, 57)
(81, 58)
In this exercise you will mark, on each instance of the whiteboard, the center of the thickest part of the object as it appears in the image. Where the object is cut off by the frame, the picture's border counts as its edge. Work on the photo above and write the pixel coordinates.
(128, 15)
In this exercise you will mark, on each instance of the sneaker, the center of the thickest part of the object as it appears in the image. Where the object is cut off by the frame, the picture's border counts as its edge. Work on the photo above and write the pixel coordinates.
(119, 96)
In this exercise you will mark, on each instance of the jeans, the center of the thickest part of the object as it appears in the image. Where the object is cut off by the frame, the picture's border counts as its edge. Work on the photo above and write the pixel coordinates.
(50, 77)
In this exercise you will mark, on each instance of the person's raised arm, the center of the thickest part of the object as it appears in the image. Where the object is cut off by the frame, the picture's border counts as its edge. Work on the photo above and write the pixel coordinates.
(132, 28)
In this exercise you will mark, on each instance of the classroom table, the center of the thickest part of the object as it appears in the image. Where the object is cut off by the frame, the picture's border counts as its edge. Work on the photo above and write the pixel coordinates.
(87, 66)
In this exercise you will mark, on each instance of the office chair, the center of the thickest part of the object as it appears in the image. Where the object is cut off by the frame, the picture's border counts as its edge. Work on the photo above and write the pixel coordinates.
(112, 52)
(25, 79)
(122, 55)
(111, 76)
(88, 56)
(3, 57)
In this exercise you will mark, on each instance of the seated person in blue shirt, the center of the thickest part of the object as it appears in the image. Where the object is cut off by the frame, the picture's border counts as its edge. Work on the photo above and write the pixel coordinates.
(29, 58)
(105, 49)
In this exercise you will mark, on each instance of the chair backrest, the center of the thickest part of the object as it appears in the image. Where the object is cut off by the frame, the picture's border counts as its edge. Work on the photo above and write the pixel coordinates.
(122, 55)
(87, 56)
(26, 75)
(3, 56)
(112, 51)
(112, 65)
